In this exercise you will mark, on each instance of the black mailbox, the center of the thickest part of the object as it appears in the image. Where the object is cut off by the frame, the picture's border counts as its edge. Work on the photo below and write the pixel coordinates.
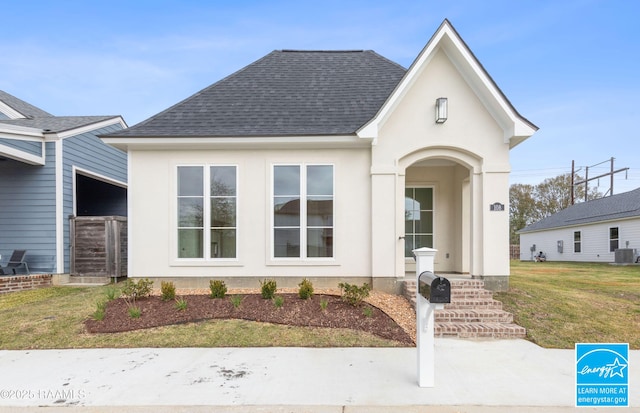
(434, 288)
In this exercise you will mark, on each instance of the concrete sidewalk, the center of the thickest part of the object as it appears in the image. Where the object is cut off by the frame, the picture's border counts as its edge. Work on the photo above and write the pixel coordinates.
(474, 376)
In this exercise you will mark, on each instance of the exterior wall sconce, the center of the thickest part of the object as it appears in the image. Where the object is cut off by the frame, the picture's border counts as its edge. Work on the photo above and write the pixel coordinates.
(441, 110)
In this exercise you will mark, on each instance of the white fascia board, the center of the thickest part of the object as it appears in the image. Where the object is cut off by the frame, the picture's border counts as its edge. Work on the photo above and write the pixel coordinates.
(20, 132)
(85, 172)
(21, 156)
(186, 143)
(10, 112)
(370, 129)
(447, 40)
(493, 99)
(53, 136)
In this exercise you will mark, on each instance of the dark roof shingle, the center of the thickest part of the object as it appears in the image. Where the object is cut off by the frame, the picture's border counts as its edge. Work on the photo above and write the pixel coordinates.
(285, 93)
(624, 205)
(39, 119)
(57, 124)
(24, 108)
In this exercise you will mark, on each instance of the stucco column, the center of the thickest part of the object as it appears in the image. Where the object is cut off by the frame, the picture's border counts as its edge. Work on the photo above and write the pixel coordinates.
(476, 252)
(496, 237)
(383, 223)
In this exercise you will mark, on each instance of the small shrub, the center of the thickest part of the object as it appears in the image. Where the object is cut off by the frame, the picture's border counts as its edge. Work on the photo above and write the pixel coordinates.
(236, 300)
(168, 290)
(112, 293)
(181, 304)
(133, 290)
(135, 312)
(101, 308)
(306, 289)
(353, 294)
(268, 289)
(367, 311)
(324, 304)
(278, 301)
(218, 288)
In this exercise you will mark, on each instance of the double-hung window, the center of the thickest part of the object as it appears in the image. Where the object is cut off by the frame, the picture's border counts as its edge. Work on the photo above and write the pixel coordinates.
(577, 241)
(207, 200)
(303, 210)
(614, 238)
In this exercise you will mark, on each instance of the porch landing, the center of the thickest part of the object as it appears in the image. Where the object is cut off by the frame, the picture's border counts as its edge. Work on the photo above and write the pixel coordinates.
(472, 313)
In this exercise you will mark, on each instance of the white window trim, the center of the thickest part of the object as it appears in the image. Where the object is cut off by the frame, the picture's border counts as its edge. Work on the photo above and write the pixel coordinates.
(207, 260)
(579, 242)
(303, 259)
(609, 239)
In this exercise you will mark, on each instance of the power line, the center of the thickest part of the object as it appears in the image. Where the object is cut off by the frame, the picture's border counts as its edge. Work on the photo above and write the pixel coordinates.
(586, 179)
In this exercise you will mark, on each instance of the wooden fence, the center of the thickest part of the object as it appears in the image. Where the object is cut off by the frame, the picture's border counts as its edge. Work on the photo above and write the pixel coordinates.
(514, 252)
(99, 246)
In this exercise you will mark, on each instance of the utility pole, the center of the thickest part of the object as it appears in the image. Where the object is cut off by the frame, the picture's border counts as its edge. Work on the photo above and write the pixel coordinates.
(586, 179)
(573, 173)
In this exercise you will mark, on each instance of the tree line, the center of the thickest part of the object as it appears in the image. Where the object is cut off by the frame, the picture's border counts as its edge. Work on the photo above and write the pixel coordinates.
(531, 203)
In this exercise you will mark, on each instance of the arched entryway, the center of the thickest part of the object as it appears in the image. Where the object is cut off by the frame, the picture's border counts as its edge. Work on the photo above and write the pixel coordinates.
(438, 207)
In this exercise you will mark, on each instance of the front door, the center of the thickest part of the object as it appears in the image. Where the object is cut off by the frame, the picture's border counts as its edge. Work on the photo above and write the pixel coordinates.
(418, 222)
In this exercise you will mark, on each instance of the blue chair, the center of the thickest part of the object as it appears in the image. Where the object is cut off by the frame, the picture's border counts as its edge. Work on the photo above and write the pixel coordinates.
(15, 262)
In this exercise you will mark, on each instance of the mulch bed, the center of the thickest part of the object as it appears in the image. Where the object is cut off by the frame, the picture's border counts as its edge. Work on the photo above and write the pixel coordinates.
(295, 311)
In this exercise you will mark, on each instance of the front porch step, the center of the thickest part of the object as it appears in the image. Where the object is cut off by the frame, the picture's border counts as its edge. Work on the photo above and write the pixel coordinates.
(473, 316)
(479, 330)
(472, 313)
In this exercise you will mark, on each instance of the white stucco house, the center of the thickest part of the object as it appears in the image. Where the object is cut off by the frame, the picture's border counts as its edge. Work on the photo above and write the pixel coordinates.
(591, 231)
(330, 165)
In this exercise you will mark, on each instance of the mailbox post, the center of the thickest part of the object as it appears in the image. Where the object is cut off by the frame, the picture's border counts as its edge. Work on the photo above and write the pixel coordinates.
(432, 292)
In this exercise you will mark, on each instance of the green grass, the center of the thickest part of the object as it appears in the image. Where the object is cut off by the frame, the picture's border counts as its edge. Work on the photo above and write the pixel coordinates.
(561, 303)
(53, 317)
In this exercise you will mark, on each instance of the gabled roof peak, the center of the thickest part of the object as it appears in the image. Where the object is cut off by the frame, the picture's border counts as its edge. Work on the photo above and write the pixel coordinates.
(516, 127)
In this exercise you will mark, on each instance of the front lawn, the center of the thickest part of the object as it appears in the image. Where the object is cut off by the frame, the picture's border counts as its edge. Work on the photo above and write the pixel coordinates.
(561, 303)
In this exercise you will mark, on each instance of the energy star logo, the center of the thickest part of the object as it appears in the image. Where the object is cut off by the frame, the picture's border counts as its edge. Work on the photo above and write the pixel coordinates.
(602, 375)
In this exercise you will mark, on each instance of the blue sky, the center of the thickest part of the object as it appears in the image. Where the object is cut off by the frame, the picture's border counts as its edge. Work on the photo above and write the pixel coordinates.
(571, 67)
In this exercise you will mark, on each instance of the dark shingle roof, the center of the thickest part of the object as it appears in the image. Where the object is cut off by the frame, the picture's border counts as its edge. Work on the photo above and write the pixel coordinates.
(26, 109)
(625, 205)
(57, 124)
(39, 119)
(285, 93)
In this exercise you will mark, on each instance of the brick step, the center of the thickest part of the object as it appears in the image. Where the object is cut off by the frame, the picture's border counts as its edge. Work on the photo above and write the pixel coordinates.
(473, 316)
(472, 313)
(466, 293)
(466, 284)
(474, 303)
(479, 330)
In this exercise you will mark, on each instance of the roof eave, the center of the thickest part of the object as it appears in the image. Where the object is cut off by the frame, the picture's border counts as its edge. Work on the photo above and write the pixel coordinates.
(234, 142)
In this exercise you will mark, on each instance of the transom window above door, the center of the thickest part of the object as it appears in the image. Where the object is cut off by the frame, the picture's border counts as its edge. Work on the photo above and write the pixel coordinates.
(418, 219)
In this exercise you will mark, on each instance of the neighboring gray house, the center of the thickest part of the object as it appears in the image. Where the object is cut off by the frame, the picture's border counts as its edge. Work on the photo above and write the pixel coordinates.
(591, 231)
(51, 168)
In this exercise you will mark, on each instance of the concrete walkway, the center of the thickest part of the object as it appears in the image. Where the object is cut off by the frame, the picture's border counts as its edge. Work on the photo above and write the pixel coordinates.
(471, 376)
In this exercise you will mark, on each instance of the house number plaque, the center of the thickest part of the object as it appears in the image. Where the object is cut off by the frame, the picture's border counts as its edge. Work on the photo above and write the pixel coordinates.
(496, 206)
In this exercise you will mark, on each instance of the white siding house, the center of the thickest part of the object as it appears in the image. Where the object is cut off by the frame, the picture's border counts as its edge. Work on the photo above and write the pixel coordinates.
(329, 165)
(591, 231)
